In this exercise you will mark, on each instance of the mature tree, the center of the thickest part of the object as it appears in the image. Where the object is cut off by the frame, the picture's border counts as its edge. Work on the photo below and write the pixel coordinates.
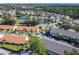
(36, 46)
(31, 22)
(65, 25)
(76, 41)
(8, 22)
(73, 52)
(6, 16)
(47, 33)
(72, 11)
(75, 28)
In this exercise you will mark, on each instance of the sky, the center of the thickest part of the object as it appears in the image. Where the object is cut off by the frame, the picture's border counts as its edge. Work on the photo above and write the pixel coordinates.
(39, 1)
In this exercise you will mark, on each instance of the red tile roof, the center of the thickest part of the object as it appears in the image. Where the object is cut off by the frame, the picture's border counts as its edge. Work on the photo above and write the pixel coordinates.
(16, 39)
(28, 28)
(6, 27)
(11, 27)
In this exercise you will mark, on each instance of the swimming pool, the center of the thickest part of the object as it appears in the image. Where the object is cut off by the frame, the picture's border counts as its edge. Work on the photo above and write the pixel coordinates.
(22, 17)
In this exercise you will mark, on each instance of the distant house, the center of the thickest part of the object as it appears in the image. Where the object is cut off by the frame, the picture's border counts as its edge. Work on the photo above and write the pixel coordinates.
(6, 27)
(28, 28)
(64, 32)
(12, 27)
(75, 21)
(67, 17)
(15, 39)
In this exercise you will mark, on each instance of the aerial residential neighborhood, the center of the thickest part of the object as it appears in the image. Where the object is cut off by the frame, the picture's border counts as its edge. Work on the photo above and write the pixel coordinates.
(39, 29)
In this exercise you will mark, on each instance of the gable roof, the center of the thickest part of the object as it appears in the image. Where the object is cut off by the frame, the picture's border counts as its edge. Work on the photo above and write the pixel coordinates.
(6, 27)
(13, 27)
(29, 28)
(16, 39)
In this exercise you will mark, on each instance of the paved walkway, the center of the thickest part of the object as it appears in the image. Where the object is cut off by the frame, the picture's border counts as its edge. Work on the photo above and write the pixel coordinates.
(4, 51)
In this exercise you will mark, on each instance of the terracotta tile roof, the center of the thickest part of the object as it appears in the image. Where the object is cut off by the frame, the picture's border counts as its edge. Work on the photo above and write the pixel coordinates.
(5, 27)
(16, 39)
(11, 27)
(28, 28)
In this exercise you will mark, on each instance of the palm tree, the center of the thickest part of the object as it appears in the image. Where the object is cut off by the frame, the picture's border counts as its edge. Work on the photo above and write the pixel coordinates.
(26, 46)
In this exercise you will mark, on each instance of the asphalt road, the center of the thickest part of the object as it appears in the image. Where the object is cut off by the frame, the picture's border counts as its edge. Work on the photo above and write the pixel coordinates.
(56, 46)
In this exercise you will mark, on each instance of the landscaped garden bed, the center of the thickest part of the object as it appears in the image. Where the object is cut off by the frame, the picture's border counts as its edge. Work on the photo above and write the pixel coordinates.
(12, 47)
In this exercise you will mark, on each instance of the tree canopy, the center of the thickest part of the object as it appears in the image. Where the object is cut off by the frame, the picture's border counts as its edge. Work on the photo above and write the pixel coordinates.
(72, 52)
(8, 22)
(31, 22)
(71, 11)
(36, 46)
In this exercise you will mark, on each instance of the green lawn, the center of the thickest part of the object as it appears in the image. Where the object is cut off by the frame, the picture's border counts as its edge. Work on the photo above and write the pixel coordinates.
(1, 30)
(12, 47)
(19, 20)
